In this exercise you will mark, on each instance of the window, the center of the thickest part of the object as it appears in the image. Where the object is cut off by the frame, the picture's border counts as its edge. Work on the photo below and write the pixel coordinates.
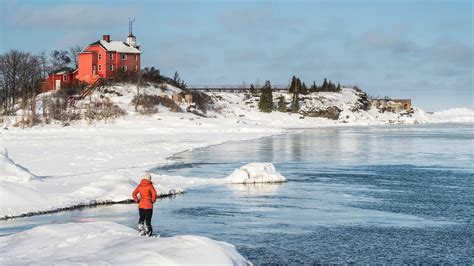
(99, 67)
(136, 57)
(93, 68)
(124, 68)
(111, 56)
(64, 77)
(99, 57)
(111, 67)
(135, 67)
(123, 56)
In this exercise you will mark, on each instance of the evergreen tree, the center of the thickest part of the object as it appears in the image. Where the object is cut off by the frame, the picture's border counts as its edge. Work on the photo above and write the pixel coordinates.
(266, 98)
(298, 86)
(253, 91)
(176, 77)
(338, 89)
(325, 85)
(304, 89)
(313, 88)
(295, 104)
(293, 85)
(281, 104)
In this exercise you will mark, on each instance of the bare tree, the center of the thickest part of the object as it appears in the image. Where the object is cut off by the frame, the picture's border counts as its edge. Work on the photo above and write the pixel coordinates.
(74, 52)
(44, 63)
(59, 59)
(20, 75)
(10, 67)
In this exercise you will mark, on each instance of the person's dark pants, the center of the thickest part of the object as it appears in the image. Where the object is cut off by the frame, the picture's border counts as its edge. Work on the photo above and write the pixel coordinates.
(145, 218)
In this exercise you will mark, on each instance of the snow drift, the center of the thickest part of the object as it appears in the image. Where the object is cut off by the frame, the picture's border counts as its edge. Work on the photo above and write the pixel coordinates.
(111, 243)
(453, 115)
(11, 171)
(255, 173)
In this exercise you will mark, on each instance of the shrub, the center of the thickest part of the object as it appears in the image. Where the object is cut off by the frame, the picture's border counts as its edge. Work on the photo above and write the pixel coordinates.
(102, 110)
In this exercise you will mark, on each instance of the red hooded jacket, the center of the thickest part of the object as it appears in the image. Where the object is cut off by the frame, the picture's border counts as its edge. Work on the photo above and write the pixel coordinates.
(147, 194)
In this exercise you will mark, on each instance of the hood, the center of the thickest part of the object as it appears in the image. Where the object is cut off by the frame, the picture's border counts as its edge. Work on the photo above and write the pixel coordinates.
(145, 182)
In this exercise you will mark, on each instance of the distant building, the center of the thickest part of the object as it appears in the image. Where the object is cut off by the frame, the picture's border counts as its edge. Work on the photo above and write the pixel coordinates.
(391, 105)
(100, 59)
(61, 78)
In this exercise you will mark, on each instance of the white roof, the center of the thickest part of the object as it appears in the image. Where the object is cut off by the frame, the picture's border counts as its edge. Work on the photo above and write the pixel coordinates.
(119, 46)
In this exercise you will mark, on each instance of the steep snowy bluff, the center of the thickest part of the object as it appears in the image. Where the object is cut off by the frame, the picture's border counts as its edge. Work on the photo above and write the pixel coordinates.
(111, 243)
(255, 173)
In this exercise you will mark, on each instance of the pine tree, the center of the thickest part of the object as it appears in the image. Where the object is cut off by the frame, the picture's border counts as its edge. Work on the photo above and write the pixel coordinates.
(253, 91)
(266, 98)
(281, 104)
(304, 89)
(293, 85)
(298, 86)
(295, 104)
(338, 89)
(313, 88)
(325, 85)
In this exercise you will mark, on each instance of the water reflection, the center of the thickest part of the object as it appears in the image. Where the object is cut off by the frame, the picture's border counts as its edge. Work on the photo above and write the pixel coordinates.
(255, 189)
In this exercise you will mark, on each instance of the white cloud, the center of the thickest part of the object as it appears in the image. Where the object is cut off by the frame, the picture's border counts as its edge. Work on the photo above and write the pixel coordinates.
(65, 16)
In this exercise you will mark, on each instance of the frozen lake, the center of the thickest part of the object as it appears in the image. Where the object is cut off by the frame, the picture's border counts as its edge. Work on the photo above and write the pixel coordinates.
(392, 194)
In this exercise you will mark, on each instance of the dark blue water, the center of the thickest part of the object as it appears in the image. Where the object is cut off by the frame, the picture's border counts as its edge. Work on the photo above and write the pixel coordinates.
(394, 195)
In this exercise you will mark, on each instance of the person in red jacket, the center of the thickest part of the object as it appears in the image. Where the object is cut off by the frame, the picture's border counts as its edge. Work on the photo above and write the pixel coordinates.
(145, 204)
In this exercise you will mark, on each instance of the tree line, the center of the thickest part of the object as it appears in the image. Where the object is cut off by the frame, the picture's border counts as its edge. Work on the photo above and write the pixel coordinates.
(296, 89)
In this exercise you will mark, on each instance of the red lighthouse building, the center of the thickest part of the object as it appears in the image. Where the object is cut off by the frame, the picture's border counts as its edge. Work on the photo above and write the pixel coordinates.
(99, 60)
(102, 59)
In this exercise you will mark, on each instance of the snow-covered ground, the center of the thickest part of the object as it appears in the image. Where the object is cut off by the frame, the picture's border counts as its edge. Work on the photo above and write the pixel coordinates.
(101, 243)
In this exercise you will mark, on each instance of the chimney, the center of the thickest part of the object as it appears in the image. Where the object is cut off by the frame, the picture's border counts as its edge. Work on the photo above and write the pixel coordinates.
(106, 38)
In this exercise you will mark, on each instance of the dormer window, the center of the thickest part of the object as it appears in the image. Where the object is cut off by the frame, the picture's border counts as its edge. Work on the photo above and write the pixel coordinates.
(123, 56)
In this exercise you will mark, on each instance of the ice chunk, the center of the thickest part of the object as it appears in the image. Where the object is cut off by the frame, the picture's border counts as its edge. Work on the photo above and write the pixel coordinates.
(13, 172)
(255, 173)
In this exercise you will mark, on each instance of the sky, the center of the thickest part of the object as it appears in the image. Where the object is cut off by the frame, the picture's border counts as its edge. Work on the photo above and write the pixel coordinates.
(422, 50)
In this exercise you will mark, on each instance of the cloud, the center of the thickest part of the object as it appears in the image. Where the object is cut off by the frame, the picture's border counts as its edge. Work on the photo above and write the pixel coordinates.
(450, 52)
(262, 18)
(65, 16)
(393, 42)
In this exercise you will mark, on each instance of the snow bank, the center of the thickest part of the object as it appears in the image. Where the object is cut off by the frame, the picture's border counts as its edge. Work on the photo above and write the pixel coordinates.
(111, 188)
(111, 243)
(18, 198)
(10, 171)
(453, 115)
(117, 188)
(255, 173)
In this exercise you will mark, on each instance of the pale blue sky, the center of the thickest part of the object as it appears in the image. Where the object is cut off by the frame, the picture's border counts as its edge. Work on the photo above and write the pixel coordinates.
(404, 49)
